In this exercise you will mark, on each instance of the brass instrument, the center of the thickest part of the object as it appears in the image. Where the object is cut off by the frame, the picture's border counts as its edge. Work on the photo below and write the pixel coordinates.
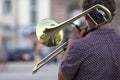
(49, 32)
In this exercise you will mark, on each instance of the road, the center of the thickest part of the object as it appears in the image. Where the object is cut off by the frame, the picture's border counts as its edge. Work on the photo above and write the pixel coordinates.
(23, 71)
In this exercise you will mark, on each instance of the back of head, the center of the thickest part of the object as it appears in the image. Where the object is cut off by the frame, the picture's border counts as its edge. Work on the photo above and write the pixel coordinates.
(110, 4)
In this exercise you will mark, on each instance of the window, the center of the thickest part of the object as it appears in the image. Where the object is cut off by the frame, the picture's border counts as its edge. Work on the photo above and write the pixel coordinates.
(33, 2)
(33, 12)
(7, 6)
(33, 17)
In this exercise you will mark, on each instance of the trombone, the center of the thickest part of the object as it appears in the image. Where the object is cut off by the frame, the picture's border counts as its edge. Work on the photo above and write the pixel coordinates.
(49, 32)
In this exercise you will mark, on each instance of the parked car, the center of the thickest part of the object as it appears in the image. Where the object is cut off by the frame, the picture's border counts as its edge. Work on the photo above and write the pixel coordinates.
(21, 54)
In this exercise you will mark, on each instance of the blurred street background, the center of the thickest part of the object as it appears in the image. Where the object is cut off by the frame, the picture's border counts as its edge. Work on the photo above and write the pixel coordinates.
(19, 47)
(23, 71)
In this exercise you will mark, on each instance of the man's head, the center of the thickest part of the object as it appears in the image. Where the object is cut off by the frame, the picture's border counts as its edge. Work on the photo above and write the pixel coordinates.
(110, 4)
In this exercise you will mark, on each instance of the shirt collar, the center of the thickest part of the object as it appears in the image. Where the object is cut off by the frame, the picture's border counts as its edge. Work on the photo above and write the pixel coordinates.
(103, 31)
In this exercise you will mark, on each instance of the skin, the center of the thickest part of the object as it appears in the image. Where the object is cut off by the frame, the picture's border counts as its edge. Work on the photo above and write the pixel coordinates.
(77, 35)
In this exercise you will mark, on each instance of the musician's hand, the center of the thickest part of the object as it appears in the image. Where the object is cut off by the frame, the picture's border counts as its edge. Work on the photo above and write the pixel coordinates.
(76, 35)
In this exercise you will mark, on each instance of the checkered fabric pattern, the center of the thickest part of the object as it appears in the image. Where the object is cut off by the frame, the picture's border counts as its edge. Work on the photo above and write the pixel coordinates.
(96, 57)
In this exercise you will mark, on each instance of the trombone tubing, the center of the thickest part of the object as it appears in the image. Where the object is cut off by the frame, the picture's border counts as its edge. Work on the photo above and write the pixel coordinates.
(71, 20)
(45, 60)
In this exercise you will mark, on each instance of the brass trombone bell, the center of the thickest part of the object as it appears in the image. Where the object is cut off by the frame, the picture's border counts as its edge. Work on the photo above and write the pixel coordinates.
(49, 32)
(46, 33)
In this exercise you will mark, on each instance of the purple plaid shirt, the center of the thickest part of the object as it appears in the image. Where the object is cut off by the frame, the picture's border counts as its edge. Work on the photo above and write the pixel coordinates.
(96, 57)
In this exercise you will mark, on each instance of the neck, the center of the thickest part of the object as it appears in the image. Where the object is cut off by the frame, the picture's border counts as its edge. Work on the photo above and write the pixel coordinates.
(105, 26)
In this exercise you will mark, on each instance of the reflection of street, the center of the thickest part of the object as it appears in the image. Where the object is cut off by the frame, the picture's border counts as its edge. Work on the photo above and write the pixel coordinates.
(23, 71)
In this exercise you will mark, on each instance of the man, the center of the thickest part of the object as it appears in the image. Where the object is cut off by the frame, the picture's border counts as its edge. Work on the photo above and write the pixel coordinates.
(96, 56)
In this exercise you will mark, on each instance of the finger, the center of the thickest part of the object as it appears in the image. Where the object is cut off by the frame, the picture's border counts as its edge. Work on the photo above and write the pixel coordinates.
(75, 29)
(76, 26)
(84, 27)
(83, 31)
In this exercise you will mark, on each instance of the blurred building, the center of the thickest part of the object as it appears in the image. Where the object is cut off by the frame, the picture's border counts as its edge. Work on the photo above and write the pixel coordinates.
(18, 15)
(62, 9)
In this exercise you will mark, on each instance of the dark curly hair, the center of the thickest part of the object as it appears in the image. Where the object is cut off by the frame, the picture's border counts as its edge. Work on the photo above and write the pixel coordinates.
(110, 4)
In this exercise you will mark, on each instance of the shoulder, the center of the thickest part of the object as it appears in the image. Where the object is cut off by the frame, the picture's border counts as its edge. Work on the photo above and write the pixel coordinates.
(118, 35)
(82, 43)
